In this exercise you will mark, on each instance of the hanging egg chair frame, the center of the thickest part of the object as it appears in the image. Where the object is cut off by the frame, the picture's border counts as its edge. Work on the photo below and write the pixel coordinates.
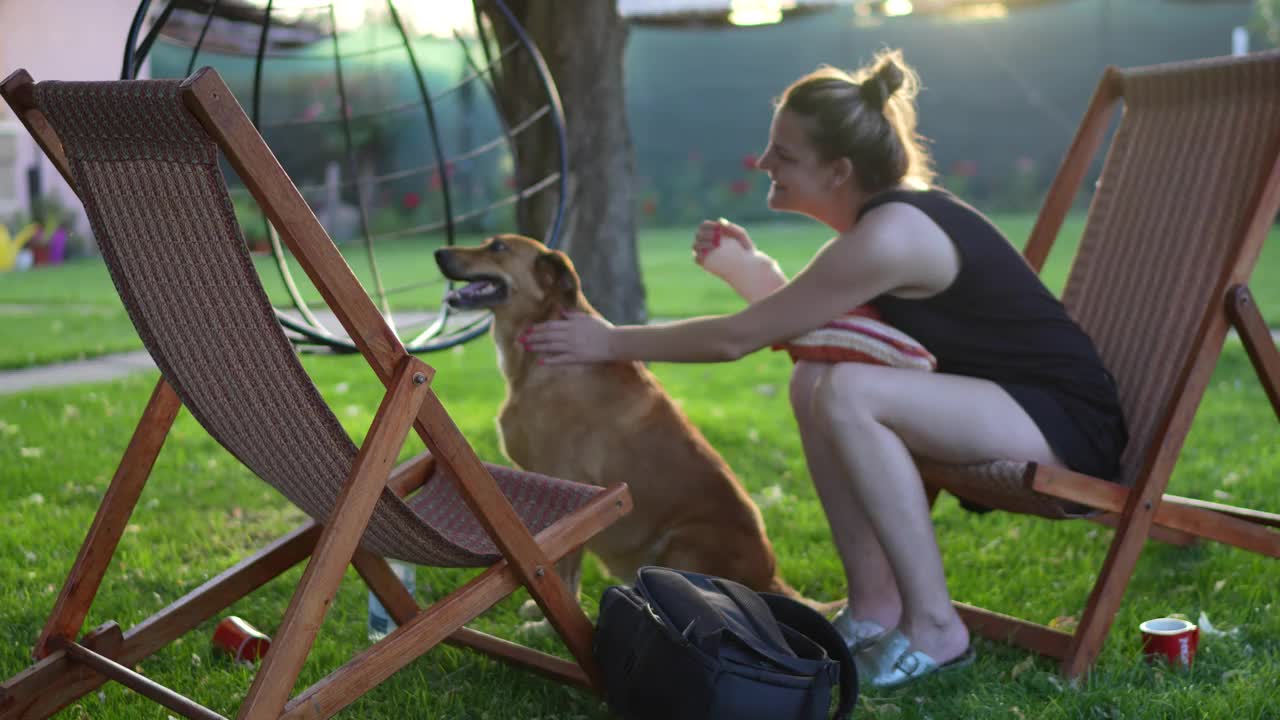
(436, 335)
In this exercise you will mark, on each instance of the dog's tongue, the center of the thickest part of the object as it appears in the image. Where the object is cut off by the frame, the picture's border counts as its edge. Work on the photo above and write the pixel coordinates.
(470, 292)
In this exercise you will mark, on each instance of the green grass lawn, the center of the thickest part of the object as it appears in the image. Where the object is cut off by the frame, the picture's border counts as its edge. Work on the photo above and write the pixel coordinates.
(202, 511)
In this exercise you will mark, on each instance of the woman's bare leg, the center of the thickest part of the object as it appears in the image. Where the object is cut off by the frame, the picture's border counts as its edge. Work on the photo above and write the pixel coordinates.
(873, 592)
(875, 418)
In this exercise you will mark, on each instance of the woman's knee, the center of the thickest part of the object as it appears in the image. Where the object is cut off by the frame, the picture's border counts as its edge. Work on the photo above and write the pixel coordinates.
(846, 394)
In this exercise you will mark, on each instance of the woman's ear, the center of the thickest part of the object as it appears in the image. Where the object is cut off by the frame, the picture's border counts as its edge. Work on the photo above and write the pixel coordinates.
(556, 276)
(841, 171)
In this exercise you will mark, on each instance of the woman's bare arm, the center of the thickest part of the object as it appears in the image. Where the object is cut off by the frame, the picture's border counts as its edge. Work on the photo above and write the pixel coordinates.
(882, 254)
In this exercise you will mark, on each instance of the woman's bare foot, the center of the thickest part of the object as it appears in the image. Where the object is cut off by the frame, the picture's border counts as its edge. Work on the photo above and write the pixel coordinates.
(943, 639)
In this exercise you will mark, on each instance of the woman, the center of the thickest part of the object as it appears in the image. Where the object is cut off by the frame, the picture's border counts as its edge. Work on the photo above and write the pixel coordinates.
(1017, 379)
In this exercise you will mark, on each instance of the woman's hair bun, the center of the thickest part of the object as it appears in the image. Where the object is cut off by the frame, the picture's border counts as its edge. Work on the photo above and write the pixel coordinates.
(885, 79)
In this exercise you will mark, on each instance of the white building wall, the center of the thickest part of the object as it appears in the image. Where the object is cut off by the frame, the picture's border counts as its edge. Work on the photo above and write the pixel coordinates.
(53, 40)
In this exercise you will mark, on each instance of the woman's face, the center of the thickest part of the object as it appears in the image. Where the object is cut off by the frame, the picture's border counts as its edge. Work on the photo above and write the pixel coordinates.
(801, 181)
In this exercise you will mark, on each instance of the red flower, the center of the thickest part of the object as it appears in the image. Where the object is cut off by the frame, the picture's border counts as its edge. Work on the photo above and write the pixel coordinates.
(649, 207)
(740, 187)
(410, 201)
(435, 180)
(750, 162)
(964, 168)
(312, 111)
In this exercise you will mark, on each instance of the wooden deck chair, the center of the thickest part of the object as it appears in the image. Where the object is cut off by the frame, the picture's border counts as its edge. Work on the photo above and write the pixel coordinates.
(1188, 191)
(143, 157)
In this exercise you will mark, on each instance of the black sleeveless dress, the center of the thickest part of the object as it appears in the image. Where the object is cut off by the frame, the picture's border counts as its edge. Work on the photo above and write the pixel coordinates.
(997, 321)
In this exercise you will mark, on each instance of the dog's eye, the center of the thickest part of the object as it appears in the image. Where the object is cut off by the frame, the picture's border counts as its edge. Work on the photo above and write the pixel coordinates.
(497, 246)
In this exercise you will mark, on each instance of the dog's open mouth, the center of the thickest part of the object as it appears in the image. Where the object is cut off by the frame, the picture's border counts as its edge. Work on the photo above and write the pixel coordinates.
(480, 292)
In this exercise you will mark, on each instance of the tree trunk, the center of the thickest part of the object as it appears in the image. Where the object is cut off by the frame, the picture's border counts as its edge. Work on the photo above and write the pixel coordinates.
(582, 43)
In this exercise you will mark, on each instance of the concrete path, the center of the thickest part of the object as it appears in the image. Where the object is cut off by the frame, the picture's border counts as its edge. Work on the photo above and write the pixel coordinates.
(99, 369)
(110, 367)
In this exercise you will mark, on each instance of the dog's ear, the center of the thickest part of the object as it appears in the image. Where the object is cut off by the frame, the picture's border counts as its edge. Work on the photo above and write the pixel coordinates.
(555, 274)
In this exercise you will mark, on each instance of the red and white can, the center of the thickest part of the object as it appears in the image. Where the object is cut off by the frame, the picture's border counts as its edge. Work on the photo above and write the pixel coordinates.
(1172, 639)
(242, 641)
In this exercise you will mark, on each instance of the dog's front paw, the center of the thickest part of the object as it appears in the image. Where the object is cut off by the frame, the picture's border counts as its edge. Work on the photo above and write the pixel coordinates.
(539, 628)
(530, 610)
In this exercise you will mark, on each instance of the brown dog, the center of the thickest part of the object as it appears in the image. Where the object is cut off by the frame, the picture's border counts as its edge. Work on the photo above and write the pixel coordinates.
(607, 423)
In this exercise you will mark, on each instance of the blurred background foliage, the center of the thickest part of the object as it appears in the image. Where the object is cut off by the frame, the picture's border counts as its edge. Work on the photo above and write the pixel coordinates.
(1002, 96)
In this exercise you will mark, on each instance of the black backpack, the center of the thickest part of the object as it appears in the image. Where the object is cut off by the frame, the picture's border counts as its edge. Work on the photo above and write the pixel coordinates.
(684, 646)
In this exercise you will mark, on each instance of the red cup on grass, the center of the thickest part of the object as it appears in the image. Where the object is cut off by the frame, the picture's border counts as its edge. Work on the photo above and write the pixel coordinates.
(1173, 639)
(242, 641)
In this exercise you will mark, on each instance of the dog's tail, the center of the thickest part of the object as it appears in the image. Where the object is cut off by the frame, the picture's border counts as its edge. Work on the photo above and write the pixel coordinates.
(829, 608)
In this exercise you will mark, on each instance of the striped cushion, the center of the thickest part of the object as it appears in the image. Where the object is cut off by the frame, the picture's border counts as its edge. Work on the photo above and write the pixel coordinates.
(859, 336)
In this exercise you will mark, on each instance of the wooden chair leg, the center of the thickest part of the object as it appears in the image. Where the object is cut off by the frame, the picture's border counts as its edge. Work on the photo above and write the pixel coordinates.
(113, 514)
(403, 608)
(562, 610)
(557, 541)
(1250, 530)
(56, 682)
(441, 621)
(1018, 632)
(137, 682)
(426, 630)
(412, 473)
(1169, 536)
(43, 689)
(500, 521)
(1131, 535)
(1244, 315)
(1249, 515)
(341, 535)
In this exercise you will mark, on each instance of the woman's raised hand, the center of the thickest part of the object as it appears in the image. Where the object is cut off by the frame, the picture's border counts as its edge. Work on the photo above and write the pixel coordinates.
(713, 232)
(724, 250)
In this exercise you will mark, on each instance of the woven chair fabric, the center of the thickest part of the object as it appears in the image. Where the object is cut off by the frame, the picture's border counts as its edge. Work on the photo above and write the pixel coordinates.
(998, 484)
(1195, 141)
(1166, 222)
(158, 205)
(538, 499)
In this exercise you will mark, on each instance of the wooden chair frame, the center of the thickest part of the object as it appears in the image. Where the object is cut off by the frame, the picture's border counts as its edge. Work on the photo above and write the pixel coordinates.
(1145, 510)
(68, 667)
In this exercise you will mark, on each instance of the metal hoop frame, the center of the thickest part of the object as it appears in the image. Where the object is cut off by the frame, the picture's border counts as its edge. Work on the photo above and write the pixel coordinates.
(311, 331)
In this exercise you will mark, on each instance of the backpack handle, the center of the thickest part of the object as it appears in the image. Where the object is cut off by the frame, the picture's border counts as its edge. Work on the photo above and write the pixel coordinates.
(809, 622)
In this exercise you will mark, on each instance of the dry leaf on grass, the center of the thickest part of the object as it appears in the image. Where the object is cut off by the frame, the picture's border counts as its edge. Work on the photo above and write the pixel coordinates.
(1065, 623)
(1028, 664)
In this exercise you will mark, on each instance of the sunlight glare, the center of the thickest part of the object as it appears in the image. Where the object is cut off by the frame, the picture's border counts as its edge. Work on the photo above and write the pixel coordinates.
(755, 12)
(898, 7)
(440, 18)
(348, 14)
(980, 11)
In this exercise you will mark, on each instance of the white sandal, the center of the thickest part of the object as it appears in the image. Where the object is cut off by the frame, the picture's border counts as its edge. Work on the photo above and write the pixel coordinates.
(891, 662)
(858, 635)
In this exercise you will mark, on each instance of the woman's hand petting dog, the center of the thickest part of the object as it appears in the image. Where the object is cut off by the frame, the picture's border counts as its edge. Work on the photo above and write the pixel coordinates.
(577, 338)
